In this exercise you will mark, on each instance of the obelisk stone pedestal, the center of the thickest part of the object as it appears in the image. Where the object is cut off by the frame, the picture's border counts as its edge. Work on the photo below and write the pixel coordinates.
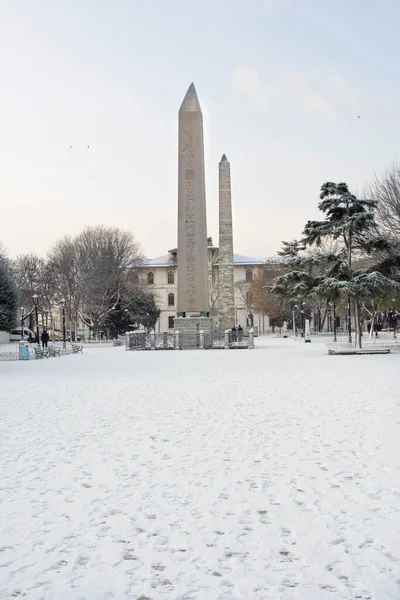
(189, 328)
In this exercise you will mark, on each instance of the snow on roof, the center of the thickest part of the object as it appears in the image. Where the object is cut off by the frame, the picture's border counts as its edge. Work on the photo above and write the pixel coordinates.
(160, 261)
(238, 259)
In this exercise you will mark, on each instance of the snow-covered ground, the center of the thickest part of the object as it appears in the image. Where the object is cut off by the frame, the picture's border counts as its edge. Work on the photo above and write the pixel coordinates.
(201, 475)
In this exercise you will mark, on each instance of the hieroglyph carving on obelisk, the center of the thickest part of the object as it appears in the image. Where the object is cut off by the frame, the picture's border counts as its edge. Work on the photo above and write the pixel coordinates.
(226, 302)
(192, 296)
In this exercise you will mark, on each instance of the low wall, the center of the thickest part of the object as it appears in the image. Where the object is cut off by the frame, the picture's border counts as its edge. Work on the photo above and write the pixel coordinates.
(4, 337)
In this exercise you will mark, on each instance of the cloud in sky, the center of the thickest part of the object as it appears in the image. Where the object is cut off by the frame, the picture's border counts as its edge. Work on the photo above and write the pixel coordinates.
(267, 4)
(326, 96)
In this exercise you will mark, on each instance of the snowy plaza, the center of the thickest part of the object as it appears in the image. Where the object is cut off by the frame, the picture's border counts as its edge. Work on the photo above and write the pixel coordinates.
(201, 475)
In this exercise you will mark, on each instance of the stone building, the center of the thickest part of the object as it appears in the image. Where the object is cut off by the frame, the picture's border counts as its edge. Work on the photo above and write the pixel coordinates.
(160, 276)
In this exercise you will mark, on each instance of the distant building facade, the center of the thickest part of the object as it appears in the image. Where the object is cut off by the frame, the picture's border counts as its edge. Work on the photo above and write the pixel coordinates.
(160, 277)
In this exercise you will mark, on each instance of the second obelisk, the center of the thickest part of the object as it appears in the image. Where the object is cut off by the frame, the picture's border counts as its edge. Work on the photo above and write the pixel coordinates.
(192, 294)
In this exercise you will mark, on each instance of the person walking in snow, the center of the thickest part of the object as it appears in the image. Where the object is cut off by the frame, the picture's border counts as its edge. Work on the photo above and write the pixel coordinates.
(45, 338)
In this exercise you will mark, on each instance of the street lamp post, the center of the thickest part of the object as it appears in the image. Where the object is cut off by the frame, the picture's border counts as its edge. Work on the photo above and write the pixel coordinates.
(35, 299)
(22, 321)
(349, 317)
(63, 303)
(302, 308)
(51, 320)
(394, 318)
(334, 323)
(294, 319)
(333, 312)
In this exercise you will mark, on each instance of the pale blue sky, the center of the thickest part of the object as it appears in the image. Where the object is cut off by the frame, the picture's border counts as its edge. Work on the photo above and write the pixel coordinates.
(281, 84)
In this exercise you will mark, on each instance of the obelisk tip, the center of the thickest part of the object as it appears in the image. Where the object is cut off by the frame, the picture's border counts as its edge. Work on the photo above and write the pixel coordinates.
(191, 102)
(224, 159)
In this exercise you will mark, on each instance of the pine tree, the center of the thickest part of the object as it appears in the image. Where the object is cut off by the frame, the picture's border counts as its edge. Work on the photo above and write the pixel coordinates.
(8, 299)
(141, 309)
(350, 222)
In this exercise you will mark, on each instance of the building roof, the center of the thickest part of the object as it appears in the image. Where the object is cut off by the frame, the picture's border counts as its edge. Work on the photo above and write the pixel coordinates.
(238, 260)
(160, 261)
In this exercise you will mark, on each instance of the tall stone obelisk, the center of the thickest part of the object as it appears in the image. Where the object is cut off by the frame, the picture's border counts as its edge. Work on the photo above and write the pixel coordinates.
(192, 295)
(226, 294)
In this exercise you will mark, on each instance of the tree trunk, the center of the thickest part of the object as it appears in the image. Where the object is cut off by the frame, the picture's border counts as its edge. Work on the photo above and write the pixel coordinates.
(358, 332)
(371, 332)
(323, 319)
(349, 319)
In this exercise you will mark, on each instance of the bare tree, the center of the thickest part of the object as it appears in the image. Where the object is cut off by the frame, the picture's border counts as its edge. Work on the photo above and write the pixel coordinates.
(263, 302)
(386, 190)
(245, 293)
(26, 269)
(64, 264)
(107, 261)
(213, 278)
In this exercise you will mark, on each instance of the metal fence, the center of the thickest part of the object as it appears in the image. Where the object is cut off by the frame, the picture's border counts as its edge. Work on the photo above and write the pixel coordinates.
(382, 340)
(221, 339)
(218, 339)
(164, 341)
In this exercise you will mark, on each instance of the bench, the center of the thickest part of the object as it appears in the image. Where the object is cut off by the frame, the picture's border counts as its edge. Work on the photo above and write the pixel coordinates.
(76, 348)
(41, 353)
(355, 351)
(54, 351)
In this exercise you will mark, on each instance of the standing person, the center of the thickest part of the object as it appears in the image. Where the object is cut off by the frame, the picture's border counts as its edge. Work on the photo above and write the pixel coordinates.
(45, 338)
(240, 333)
(233, 334)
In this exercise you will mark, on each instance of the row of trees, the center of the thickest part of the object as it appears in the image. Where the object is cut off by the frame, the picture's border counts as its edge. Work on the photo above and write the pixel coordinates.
(97, 274)
(350, 254)
(347, 262)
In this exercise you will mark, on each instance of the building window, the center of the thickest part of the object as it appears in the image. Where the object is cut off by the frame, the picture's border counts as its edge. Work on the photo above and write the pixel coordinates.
(150, 278)
(171, 322)
(170, 277)
(171, 299)
(249, 275)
